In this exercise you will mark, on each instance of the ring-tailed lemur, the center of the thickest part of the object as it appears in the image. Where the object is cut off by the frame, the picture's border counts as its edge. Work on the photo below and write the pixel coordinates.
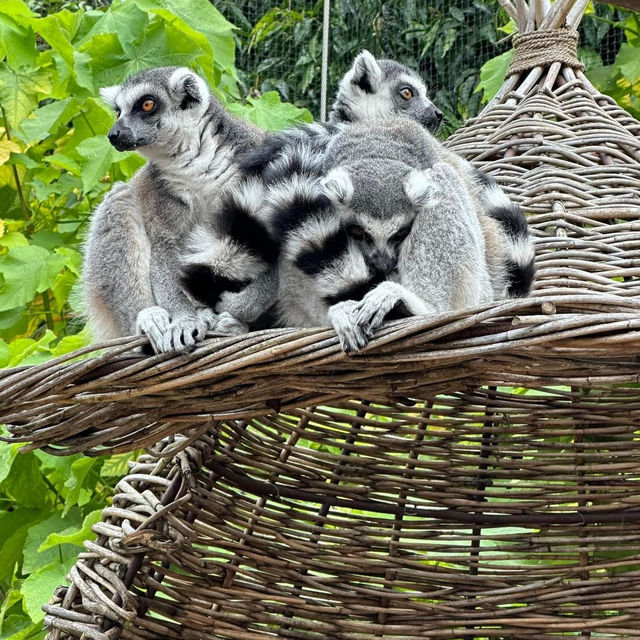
(221, 263)
(373, 90)
(140, 229)
(394, 226)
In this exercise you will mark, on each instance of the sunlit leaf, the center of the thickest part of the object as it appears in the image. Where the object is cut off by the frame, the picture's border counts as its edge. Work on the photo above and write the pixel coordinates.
(20, 92)
(492, 75)
(27, 271)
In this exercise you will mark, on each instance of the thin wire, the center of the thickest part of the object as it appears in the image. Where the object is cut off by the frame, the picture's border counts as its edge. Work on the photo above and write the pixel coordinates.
(325, 60)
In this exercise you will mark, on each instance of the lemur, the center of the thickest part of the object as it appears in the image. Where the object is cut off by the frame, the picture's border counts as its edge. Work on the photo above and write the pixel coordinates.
(371, 90)
(141, 228)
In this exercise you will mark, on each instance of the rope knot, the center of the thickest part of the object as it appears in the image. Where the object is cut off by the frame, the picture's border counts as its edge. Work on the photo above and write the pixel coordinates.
(543, 48)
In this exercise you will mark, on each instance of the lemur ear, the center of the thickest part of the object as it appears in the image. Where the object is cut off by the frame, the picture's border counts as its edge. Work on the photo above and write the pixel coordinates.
(421, 188)
(366, 73)
(337, 186)
(189, 85)
(109, 94)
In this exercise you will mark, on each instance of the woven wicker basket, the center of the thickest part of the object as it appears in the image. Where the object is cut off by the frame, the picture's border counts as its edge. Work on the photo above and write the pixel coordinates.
(471, 475)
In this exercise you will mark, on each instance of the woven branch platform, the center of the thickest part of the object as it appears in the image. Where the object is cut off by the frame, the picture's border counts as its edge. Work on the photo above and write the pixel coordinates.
(117, 401)
(470, 475)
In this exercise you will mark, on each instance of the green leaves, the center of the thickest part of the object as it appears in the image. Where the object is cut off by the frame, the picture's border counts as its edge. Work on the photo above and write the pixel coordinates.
(98, 155)
(492, 75)
(268, 112)
(20, 92)
(53, 503)
(27, 271)
(17, 40)
(621, 80)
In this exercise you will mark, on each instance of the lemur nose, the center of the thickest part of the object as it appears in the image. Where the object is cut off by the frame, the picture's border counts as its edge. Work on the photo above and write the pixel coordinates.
(439, 115)
(113, 136)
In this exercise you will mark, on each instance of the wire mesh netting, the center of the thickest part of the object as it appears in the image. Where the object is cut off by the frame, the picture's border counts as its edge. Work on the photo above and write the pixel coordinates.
(279, 44)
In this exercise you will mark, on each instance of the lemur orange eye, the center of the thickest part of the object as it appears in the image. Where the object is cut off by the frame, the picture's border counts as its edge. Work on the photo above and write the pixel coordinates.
(148, 105)
(355, 231)
(406, 93)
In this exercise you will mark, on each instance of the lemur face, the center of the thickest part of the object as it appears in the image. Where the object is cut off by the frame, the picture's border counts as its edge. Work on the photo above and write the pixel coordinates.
(152, 105)
(379, 241)
(382, 89)
(377, 216)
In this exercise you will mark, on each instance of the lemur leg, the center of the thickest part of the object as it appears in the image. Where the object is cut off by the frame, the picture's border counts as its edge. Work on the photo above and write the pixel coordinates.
(188, 324)
(116, 270)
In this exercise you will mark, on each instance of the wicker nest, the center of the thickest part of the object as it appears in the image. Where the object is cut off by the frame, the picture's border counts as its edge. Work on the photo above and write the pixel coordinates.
(471, 475)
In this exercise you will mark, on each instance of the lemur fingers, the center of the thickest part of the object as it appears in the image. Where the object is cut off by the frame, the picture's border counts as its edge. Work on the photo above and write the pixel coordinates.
(372, 310)
(154, 323)
(208, 317)
(352, 336)
(183, 333)
(227, 325)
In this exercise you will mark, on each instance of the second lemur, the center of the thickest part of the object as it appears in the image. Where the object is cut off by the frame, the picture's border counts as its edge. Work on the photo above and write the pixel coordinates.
(375, 90)
(394, 227)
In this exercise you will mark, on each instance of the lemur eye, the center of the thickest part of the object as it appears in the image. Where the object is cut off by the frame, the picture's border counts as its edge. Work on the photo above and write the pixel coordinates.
(406, 93)
(355, 231)
(117, 112)
(148, 105)
(399, 236)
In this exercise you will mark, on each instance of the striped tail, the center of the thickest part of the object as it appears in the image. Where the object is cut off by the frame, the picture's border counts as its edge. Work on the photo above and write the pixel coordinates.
(519, 257)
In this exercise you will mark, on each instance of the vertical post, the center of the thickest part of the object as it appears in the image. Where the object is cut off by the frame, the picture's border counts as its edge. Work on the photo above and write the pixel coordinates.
(325, 60)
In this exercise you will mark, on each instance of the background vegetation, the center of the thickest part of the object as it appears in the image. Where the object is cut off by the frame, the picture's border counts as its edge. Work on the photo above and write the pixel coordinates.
(279, 45)
(56, 163)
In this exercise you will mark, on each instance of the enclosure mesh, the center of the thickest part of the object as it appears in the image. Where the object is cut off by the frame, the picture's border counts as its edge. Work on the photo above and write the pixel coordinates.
(279, 44)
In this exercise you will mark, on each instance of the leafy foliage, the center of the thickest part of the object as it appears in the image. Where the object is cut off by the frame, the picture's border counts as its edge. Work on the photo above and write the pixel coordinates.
(55, 159)
(447, 41)
(609, 48)
(55, 165)
(620, 78)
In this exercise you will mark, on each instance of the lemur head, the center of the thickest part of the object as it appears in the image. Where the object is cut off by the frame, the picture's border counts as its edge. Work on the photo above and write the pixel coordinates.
(377, 205)
(380, 89)
(153, 105)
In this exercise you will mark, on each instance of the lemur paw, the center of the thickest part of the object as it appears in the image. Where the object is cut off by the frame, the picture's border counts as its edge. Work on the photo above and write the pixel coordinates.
(371, 311)
(208, 316)
(153, 322)
(351, 334)
(183, 333)
(227, 325)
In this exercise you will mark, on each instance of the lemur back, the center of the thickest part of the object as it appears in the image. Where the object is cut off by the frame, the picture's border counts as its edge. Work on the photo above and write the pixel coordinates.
(392, 222)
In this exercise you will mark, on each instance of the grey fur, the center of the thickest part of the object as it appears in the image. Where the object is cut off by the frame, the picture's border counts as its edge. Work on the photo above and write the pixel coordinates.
(289, 163)
(140, 230)
(286, 157)
(372, 90)
(386, 177)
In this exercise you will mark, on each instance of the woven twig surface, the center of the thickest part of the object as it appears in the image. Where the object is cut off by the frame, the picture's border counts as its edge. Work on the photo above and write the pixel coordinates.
(359, 523)
(472, 475)
(116, 402)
